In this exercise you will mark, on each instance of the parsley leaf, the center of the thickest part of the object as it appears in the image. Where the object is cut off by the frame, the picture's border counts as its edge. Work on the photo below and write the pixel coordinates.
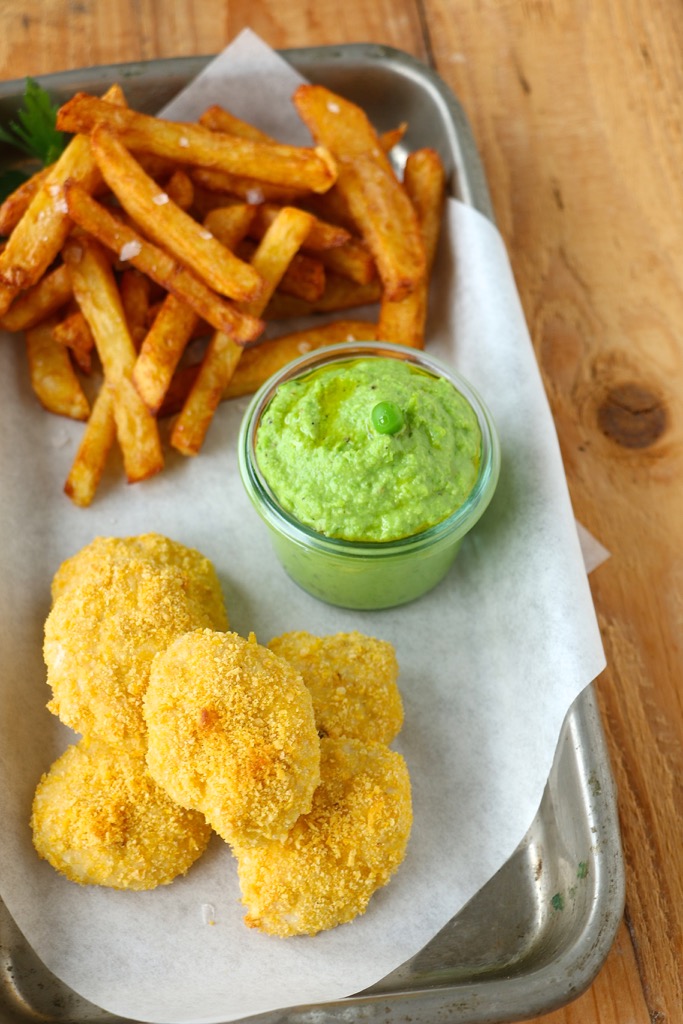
(34, 131)
(9, 181)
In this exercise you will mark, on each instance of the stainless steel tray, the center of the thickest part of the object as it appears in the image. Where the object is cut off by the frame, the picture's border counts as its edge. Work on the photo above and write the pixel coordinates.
(536, 935)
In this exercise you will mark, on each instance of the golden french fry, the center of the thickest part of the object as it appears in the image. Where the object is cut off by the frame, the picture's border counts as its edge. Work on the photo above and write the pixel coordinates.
(98, 297)
(377, 201)
(74, 333)
(162, 348)
(403, 321)
(159, 266)
(230, 224)
(331, 207)
(391, 138)
(340, 294)
(52, 376)
(176, 322)
(272, 257)
(321, 237)
(37, 303)
(135, 295)
(258, 362)
(304, 278)
(218, 119)
(353, 260)
(17, 202)
(425, 182)
(168, 225)
(220, 359)
(250, 190)
(180, 189)
(43, 229)
(388, 223)
(91, 457)
(193, 144)
(276, 251)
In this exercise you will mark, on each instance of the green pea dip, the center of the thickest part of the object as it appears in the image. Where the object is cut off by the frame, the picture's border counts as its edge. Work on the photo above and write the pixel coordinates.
(345, 475)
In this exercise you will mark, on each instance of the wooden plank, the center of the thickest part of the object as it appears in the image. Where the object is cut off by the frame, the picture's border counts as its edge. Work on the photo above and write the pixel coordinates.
(576, 108)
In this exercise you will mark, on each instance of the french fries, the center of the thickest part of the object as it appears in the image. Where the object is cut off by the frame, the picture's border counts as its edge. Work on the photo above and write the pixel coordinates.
(281, 242)
(402, 321)
(366, 180)
(96, 292)
(155, 213)
(148, 234)
(93, 451)
(47, 296)
(308, 169)
(52, 376)
(43, 229)
(259, 362)
(74, 333)
(158, 265)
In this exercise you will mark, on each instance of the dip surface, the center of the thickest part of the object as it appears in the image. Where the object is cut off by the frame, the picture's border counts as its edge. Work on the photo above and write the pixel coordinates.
(331, 468)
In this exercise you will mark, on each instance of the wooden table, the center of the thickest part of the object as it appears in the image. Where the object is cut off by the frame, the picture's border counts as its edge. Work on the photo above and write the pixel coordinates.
(577, 108)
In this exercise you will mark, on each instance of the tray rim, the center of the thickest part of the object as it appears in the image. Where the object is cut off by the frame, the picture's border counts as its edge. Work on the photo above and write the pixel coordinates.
(484, 1000)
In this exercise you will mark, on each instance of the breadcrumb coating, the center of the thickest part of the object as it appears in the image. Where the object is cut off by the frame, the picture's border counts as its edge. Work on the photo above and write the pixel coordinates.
(203, 584)
(231, 733)
(100, 819)
(334, 858)
(352, 680)
(101, 636)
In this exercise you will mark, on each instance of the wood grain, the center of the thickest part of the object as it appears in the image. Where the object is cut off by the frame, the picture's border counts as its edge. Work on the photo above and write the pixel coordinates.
(576, 107)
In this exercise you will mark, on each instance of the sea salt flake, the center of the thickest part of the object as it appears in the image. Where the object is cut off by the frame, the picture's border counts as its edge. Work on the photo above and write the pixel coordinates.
(333, 108)
(183, 141)
(130, 250)
(255, 196)
(55, 189)
(303, 347)
(160, 199)
(205, 234)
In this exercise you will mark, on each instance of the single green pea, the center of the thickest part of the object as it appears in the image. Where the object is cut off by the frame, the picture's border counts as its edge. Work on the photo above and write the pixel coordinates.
(387, 418)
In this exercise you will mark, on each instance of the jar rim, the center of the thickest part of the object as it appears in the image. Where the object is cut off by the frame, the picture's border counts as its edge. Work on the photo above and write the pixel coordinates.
(459, 522)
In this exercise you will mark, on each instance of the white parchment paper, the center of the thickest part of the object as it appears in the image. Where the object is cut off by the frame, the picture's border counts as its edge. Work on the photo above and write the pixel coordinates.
(490, 661)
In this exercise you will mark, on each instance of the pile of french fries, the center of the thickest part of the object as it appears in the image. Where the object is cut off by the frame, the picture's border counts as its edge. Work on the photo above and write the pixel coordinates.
(147, 234)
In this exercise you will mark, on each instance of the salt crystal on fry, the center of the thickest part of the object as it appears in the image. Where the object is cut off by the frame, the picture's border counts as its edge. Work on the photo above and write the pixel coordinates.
(130, 250)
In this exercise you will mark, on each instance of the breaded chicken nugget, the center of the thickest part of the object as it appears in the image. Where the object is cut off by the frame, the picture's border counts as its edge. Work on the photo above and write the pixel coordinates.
(231, 733)
(325, 871)
(100, 819)
(101, 636)
(352, 679)
(203, 585)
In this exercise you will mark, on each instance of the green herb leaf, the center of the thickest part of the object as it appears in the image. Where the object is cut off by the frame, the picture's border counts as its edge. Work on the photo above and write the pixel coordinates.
(9, 181)
(34, 131)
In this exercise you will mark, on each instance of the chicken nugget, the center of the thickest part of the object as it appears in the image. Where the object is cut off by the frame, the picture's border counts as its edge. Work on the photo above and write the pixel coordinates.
(352, 679)
(100, 819)
(203, 585)
(355, 837)
(101, 636)
(231, 733)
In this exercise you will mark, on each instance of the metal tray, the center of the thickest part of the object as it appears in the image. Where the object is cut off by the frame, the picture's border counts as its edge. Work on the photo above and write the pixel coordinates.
(536, 935)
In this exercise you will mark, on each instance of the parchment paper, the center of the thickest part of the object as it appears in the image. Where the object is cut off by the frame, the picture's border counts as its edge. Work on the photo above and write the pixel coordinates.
(490, 661)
